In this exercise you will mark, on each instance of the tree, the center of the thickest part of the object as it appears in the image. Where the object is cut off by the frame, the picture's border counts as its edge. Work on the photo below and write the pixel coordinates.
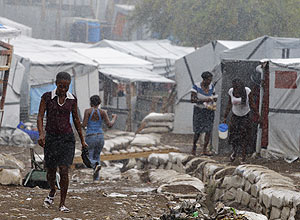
(196, 22)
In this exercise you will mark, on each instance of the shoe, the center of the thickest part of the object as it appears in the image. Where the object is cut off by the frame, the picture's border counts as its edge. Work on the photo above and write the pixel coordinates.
(96, 172)
(48, 201)
(64, 209)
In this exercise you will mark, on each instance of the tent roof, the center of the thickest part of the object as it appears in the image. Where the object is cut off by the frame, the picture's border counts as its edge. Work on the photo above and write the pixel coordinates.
(159, 49)
(288, 63)
(230, 44)
(7, 32)
(108, 57)
(39, 54)
(264, 47)
(25, 30)
(134, 74)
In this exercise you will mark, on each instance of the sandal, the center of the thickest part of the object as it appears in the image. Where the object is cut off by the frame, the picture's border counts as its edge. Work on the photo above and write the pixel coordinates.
(48, 201)
(64, 209)
(232, 157)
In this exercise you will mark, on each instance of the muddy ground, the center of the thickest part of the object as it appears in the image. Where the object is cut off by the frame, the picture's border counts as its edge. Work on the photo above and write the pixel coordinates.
(90, 200)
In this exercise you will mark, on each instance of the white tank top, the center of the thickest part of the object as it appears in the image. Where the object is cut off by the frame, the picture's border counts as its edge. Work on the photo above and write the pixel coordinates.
(237, 107)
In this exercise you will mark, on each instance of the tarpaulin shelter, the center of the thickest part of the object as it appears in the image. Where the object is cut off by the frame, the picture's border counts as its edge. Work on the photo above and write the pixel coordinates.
(159, 52)
(118, 68)
(281, 107)
(189, 69)
(241, 62)
(42, 63)
(12, 100)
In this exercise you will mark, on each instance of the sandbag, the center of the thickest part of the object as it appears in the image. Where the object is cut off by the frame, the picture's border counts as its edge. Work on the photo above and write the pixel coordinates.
(167, 117)
(155, 130)
(167, 124)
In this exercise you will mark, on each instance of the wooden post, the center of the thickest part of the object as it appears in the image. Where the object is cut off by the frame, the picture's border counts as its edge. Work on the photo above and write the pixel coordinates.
(128, 103)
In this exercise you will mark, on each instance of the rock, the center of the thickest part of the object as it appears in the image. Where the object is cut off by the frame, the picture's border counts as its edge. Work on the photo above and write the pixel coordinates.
(10, 177)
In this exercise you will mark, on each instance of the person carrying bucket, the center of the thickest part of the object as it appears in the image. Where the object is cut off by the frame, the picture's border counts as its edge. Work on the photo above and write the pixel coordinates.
(240, 102)
(204, 99)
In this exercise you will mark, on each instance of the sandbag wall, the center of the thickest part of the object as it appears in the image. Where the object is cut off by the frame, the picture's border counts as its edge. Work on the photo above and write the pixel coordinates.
(256, 187)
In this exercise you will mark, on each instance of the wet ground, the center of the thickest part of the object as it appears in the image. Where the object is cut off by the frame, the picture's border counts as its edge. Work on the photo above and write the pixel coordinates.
(89, 200)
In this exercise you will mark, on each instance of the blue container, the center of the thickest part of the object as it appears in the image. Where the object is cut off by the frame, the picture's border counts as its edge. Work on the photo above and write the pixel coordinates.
(223, 131)
(223, 127)
(94, 32)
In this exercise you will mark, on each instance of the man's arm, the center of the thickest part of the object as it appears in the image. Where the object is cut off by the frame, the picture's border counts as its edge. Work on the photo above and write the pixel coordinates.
(40, 126)
(77, 124)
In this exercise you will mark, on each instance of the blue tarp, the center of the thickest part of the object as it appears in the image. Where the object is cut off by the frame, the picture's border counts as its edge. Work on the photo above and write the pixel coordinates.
(36, 94)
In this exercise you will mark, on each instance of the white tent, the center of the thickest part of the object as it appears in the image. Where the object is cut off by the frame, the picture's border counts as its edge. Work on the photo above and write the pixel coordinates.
(160, 52)
(7, 32)
(23, 29)
(265, 47)
(121, 66)
(205, 58)
(42, 63)
(282, 108)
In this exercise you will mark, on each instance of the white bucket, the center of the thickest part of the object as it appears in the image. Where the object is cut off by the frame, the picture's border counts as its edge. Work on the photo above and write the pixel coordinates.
(223, 131)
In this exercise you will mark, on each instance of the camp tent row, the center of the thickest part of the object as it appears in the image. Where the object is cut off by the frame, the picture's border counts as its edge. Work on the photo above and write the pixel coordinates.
(42, 59)
(241, 62)
(159, 52)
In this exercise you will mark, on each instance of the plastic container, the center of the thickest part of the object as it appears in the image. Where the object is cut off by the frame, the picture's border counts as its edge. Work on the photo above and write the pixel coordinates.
(223, 131)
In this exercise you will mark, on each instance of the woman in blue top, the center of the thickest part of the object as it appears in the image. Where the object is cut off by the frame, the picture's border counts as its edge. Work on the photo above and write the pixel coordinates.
(93, 118)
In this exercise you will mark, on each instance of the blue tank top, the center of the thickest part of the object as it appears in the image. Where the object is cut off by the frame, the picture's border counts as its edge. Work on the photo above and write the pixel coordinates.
(94, 127)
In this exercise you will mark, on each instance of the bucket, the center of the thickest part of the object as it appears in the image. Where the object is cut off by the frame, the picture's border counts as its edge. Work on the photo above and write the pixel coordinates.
(223, 131)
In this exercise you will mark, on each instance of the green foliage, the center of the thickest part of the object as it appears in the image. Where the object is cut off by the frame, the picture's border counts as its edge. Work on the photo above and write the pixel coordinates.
(196, 22)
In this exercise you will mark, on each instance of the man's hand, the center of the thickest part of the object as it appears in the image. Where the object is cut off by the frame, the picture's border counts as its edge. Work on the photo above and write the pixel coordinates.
(41, 140)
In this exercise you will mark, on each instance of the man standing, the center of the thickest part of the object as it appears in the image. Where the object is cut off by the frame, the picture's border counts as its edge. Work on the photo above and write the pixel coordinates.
(203, 116)
(59, 140)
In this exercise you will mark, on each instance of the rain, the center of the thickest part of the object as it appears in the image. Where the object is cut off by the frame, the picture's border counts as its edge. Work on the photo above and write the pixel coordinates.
(149, 109)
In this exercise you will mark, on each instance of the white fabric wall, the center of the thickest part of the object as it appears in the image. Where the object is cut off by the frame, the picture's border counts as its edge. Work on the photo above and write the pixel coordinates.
(284, 134)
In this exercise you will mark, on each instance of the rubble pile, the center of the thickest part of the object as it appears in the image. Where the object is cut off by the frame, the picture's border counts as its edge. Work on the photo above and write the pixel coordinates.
(201, 211)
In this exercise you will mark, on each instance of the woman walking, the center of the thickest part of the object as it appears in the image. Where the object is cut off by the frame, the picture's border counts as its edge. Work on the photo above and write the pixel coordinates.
(241, 103)
(93, 118)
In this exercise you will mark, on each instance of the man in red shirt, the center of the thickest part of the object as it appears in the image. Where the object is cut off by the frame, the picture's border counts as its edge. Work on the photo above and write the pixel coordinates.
(59, 140)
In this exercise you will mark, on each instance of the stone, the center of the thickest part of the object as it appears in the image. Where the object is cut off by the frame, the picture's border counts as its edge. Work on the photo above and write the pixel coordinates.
(10, 177)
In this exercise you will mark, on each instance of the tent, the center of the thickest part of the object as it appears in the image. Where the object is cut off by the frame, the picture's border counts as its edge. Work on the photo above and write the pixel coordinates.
(160, 52)
(281, 111)
(23, 29)
(122, 70)
(7, 32)
(42, 63)
(265, 47)
(205, 58)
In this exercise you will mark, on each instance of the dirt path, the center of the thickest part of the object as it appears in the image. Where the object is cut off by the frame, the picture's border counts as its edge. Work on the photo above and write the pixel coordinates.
(88, 200)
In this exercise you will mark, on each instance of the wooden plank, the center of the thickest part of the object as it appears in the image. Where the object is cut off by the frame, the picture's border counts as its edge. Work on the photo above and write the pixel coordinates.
(4, 68)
